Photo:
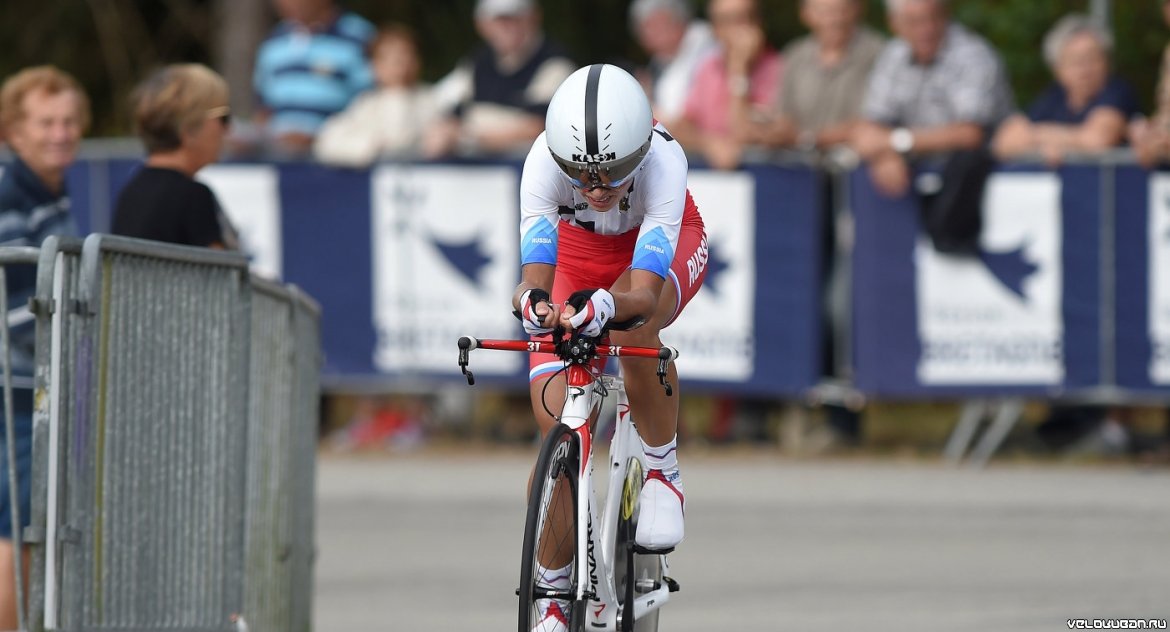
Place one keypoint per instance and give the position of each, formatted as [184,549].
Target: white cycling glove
[528,302]
[594,309]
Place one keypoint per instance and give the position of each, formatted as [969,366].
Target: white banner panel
[250,197]
[715,334]
[996,319]
[1159,278]
[446,260]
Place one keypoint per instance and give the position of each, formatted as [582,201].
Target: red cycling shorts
[588,260]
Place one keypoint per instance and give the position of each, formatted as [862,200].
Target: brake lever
[662,366]
[465,359]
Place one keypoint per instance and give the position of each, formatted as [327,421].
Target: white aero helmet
[599,126]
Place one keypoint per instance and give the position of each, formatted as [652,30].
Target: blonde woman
[182,115]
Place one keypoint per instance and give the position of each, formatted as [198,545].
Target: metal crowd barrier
[282,426]
[57,306]
[173,448]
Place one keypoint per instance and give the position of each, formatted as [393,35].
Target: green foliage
[142,34]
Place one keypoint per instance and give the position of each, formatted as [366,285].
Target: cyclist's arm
[642,297]
[666,194]
[541,189]
[538,276]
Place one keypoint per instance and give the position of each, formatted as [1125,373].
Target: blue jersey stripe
[539,244]
[654,253]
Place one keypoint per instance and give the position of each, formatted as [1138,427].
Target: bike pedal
[641,550]
[671,584]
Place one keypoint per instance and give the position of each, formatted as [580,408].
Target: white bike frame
[596,583]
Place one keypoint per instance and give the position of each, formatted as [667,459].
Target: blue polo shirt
[29,213]
[303,77]
[1052,105]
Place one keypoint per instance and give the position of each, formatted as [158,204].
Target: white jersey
[654,205]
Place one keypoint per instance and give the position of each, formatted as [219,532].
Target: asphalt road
[431,541]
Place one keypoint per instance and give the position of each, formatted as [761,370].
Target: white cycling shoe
[660,513]
[555,617]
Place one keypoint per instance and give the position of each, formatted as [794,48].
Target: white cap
[496,8]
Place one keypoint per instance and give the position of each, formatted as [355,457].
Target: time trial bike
[612,582]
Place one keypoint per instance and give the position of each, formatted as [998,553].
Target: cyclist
[607,229]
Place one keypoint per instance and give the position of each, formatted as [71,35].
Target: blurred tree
[239,25]
[110,44]
[107,44]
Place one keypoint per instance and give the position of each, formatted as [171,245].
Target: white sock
[663,457]
[553,577]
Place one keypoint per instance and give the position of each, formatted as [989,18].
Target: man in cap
[496,98]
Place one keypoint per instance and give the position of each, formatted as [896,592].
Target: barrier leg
[969,418]
[1006,417]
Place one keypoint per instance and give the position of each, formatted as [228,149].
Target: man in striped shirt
[311,66]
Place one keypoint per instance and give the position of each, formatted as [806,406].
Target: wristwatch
[902,140]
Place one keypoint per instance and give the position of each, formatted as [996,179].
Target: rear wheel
[637,574]
[548,572]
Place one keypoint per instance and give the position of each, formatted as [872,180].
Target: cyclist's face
[603,198]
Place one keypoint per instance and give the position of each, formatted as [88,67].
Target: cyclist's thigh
[689,268]
[687,272]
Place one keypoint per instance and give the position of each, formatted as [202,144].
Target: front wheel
[548,571]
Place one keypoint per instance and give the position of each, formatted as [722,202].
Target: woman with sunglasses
[182,115]
[609,232]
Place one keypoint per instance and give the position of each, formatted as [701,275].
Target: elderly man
[44,112]
[936,88]
[826,76]
[495,101]
[676,44]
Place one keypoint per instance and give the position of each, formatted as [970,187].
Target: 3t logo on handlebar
[533,346]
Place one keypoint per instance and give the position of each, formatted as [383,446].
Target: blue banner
[1022,316]
[1142,274]
[405,258]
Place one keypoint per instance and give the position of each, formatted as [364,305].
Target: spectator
[676,45]
[181,113]
[1151,138]
[385,122]
[1085,110]
[734,89]
[43,112]
[495,100]
[825,76]
[820,103]
[311,66]
[936,88]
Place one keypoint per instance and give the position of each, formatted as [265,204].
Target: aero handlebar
[575,350]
